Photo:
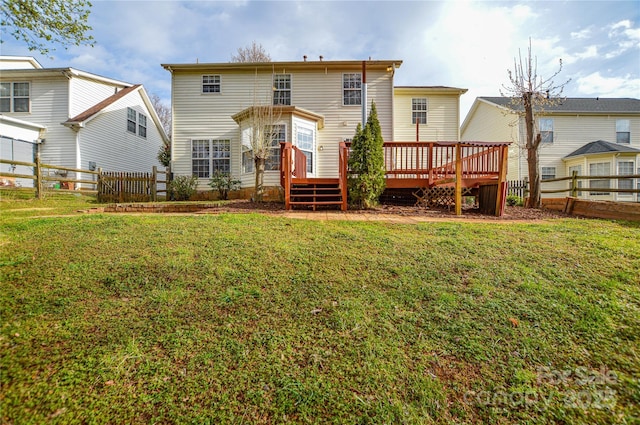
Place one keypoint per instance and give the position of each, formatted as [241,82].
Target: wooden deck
[408,165]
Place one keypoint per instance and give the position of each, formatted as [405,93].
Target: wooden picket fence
[108,186]
[115,186]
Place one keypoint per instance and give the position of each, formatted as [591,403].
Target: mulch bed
[511,213]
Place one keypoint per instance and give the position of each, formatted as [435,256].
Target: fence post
[99,186]
[168,180]
[154,184]
[37,170]
[526,188]
[574,183]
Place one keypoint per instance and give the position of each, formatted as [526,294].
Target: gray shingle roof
[601,146]
[582,104]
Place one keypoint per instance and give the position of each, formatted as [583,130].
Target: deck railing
[419,165]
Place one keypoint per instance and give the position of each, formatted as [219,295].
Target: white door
[305,140]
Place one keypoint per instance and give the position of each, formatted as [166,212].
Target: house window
[131,120]
[14,97]
[210,84]
[546,130]
[352,89]
[272,161]
[142,125]
[625,168]
[304,140]
[548,173]
[282,89]
[419,111]
[278,134]
[209,156]
[578,171]
[623,133]
[599,169]
[247,159]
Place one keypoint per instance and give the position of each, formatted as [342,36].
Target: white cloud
[582,34]
[597,85]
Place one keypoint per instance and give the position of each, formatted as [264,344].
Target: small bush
[183,187]
[223,183]
[514,201]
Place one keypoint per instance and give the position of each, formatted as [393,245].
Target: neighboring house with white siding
[592,136]
[319,106]
[83,120]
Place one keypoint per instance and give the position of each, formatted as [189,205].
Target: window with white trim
[209,156]
[548,173]
[623,132]
[136,123]
[278,134]
[352,89]
[625,168]
[546,130]
[131,120]
[14,97]
[599,169]
[419,110]
[282,89]
[142,125]
[210,84]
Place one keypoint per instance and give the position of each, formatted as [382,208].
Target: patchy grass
[253,319]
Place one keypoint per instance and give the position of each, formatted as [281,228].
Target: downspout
[364,93]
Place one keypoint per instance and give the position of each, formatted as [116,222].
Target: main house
[319,104]
[589,136]
[78,119]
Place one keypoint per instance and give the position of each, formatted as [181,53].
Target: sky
[466,44]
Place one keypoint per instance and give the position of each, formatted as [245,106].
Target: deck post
[458,179]
[502,183]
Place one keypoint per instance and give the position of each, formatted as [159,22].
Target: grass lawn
[245,318]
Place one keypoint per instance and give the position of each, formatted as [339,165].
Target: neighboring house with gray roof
[80,120]
[592,136]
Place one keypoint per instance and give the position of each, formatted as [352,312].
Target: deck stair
[315,192]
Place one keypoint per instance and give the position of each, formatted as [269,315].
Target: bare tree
[164,114]
[253,53]
[264,138]
[530,94]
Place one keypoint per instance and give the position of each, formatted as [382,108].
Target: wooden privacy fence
[108,186]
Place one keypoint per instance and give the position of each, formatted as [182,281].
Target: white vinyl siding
[105,140]
[316,91]
[85,93]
